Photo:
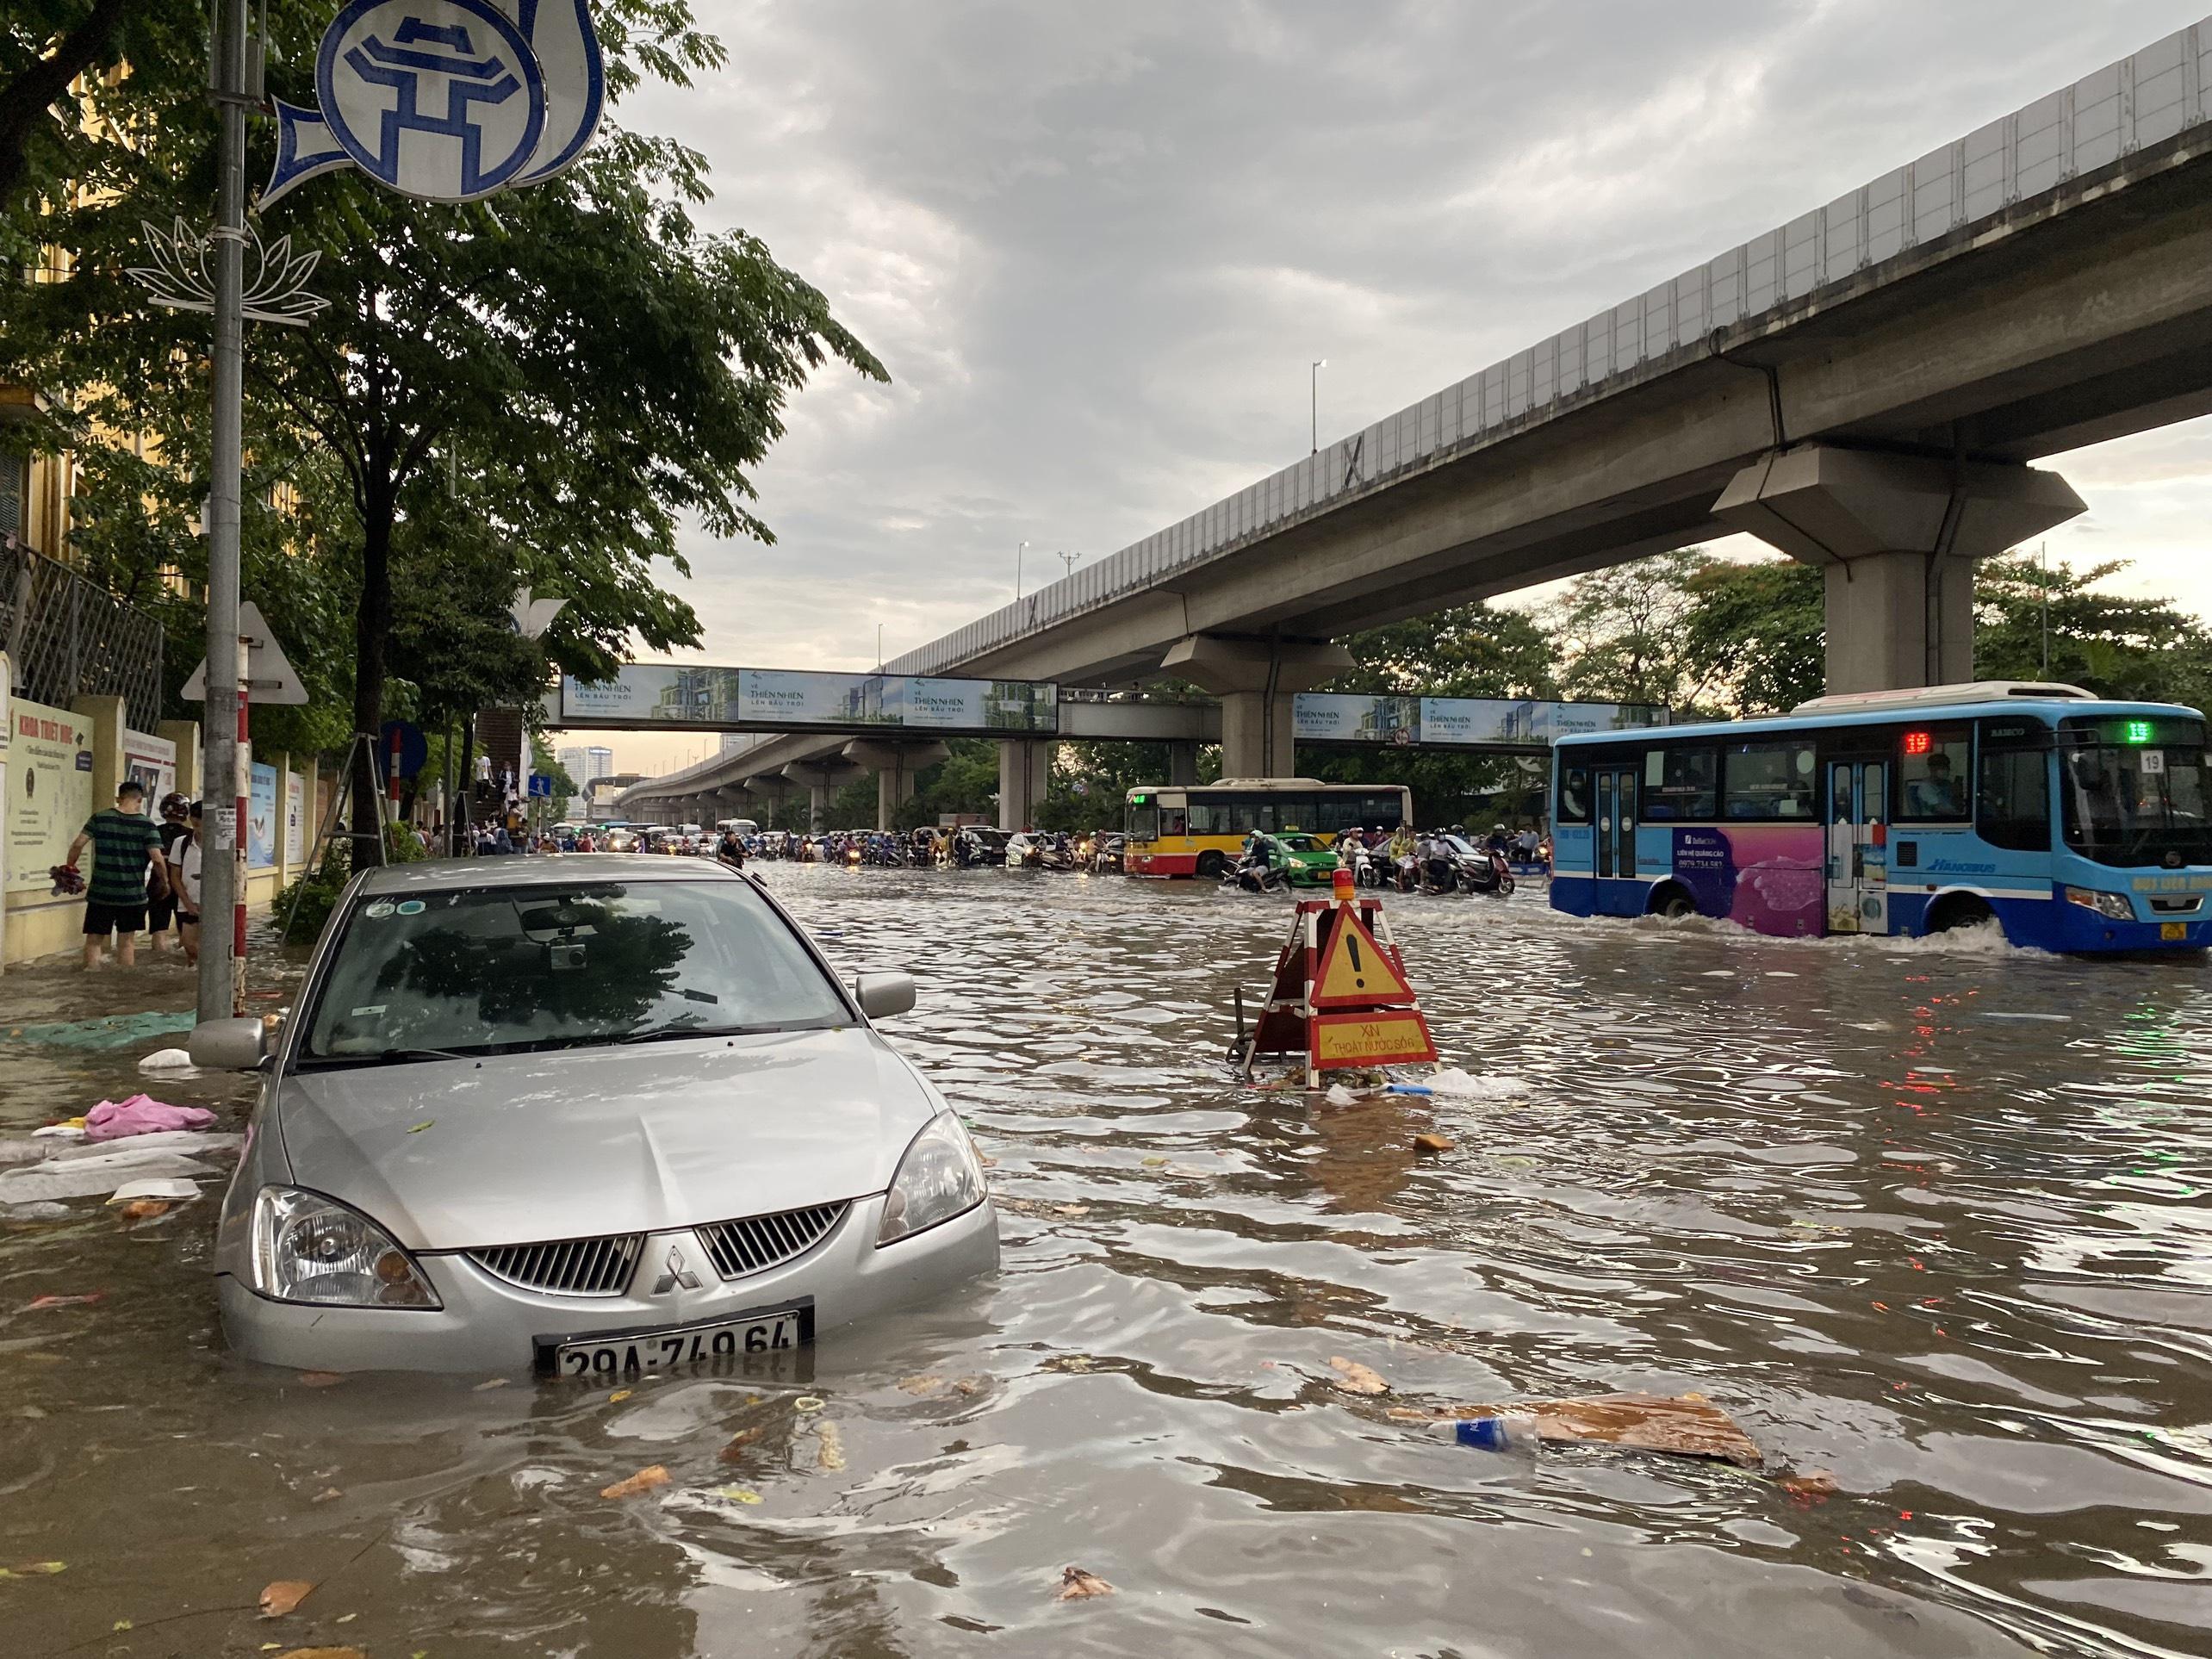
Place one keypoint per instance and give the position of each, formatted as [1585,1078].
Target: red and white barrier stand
[1340,998]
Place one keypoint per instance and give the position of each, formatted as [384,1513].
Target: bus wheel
[1957,910]
[1673,904]
[1210,865]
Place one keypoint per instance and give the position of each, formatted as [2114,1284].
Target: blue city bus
[2075,822]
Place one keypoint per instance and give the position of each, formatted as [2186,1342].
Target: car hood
[581,1142]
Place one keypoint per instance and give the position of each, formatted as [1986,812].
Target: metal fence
[68,638]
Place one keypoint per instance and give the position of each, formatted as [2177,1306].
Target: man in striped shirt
[123,841]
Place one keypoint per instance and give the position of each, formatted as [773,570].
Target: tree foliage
[537,390]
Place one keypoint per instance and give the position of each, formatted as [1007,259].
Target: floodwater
[1933,1221]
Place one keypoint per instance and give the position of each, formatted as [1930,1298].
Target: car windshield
[2134,791]
[502,969]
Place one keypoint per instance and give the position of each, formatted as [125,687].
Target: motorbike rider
[730,851]
[1436,863]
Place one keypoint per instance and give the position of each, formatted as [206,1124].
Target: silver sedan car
[592,1116]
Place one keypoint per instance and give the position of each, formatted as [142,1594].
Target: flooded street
[1933,1221]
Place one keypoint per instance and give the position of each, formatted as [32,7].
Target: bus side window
[1575,794]
[2012,801]
[1932,776]
[1172,822]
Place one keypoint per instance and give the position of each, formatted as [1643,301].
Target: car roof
[537,869]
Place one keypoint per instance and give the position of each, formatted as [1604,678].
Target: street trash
[1513,1432]
[321,1379]
[144,1210]
[1431,1143]
[1809,1486]
[109,1031]
[1340,1095]
[67,881]
[37,1211]
[1075,1584]
[1687,1425]
[115,1120]
[321,1653]
[68,1129]
[643,1481]
[735,1451]
[91,1172]
[155,1143]
[34,1570]
[831,1452]
[737,1494]
[286,1593]
[167,1059]
[37,1303]
[1451,1081]
[1356,1378]
[168,1189]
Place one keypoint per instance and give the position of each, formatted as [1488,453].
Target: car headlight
[310,1248]
[938,1178]
[2115,905]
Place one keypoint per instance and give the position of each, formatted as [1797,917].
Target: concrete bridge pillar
[1897,536]
[1025,768]
[896,767]
[1182,763]
[1256,679]
[820,776]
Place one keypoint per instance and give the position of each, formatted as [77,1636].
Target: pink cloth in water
[111,1120]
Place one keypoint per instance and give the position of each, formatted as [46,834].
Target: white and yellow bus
[1198,830]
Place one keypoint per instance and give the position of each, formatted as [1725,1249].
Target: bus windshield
[2134,791]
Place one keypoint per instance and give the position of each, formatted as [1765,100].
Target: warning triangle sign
[1356,971]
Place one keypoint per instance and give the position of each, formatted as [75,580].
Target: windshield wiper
[382,1057]
[673,1029]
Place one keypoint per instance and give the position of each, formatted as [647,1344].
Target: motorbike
[1255,873]
[1023,853]
[1057,856]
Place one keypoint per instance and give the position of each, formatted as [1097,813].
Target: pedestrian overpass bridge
[1863,388]
[858,727]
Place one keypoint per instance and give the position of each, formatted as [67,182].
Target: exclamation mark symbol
[1358,970]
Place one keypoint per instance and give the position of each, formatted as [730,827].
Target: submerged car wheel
[1956,910]
[1674,904]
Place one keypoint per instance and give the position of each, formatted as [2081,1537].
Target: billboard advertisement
[1462,722]
[153,762]
[789,699]
[295,819]
[49,789]
[261,818]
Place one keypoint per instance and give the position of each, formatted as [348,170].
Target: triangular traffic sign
[270,678]
[1356,971]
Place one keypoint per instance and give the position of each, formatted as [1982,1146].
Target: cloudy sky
[1098,246]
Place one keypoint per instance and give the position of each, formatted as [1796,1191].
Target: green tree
[1757,632]
[2113,644]
[579,366]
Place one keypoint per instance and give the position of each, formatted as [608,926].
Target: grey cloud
[1097,245]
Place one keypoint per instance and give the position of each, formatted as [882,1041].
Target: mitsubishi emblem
[677,1274]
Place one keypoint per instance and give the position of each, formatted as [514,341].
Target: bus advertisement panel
[2069,823]
[1199,829]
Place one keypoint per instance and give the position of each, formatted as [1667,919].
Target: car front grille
[760,1242]
[570,1267]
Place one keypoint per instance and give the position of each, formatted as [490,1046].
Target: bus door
[1616,821]
[1858,847]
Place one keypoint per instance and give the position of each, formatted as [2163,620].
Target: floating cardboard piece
[1358,973]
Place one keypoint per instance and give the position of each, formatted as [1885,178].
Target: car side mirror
[884,995]
[226,1045]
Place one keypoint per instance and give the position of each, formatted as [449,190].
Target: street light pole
[223,871]
[1313,391]
[1068,561]
[1019,547]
